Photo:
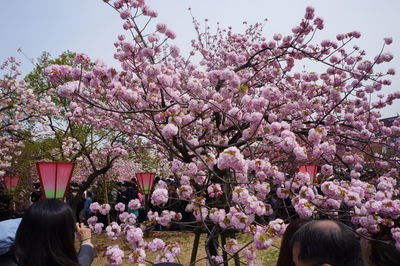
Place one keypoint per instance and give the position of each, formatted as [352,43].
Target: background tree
[18,106]
[91,147]
[19,115]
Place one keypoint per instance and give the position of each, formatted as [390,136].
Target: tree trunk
[195,248]
[224,253]
[85,185]
[106,196]
[212,244]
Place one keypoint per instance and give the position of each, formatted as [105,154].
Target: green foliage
[36,80]
[146,159]
[33,151]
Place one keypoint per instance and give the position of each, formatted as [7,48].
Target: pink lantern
[11,183]
[310,169]
[145,181]
[54,178]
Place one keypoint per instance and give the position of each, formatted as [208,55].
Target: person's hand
[83,233]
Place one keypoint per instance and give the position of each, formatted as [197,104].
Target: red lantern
[11,183]
[145,181]
[54,178]
[310,169]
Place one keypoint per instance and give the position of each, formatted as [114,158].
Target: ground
[265,258]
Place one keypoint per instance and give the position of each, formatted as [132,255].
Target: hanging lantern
[11,183]
[54,178]
[310,169]
[145,181]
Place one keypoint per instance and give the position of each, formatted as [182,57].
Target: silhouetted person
[36,193]
[4,205]
[382,250]
[86,206]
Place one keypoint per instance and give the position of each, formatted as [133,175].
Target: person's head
[126,184]
[89,194]
[383,251]
[325,243]
[285,251]
[46,235]
[36,185]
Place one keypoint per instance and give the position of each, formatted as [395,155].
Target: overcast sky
[91,27]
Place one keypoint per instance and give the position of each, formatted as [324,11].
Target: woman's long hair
[46,235]
[285,253]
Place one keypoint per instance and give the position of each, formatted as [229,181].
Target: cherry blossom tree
[94,149]
[19,108]
[238,123]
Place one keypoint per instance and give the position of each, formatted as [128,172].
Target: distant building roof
[388,122]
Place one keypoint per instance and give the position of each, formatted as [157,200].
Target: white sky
[91,27]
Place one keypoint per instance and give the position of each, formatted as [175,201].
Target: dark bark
[85,185]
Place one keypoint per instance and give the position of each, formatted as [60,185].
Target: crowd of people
[117,192]
[46,233]
[126,191]
[46,236]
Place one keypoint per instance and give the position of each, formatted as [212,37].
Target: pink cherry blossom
[159,196]
[231,246]
[185,192]
[170,34]
[388,40]
[261,241]
[135,236]
[169,131]
[92,220]
[249,253]
[134,204]
[214,190]
[138,256]
[217,215]
[125,14]
[104,209]
[156,245]
[327,170]
[114,255]
[161,27]
[113,230]
[94,207]
[120,207]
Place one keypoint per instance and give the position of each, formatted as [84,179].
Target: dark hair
[89,194]
[328,241]
[285,251]
[46,235]
[383,254]
[383,250]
